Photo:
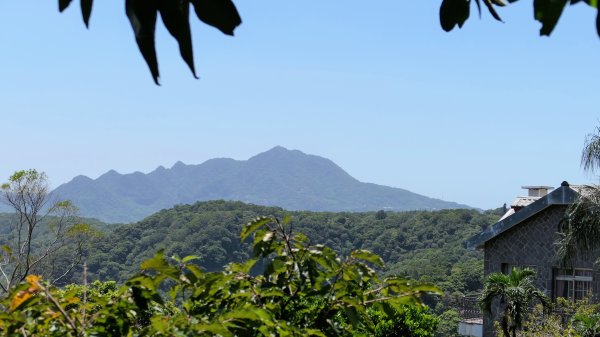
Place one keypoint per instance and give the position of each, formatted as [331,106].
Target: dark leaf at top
[86,11]
[142,16]
[454,12]
[220,14]
[63,4]
[478,3]
[492,10]
[548,12]
[175,15]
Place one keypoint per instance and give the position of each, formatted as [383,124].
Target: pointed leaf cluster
[455,12]
[143,14]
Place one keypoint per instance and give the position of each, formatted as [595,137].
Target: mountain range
[279,177]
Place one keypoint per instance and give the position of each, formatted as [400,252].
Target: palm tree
[580,228]
[516,293]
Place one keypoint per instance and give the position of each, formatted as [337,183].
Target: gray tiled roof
[524,201]
[564,195]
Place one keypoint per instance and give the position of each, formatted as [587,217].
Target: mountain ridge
[278,177]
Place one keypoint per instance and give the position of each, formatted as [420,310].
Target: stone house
[525,236]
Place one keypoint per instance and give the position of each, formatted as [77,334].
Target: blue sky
[377,87]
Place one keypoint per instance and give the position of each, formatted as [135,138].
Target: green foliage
[380,215]
[567,319]
[421,245]
[305,290]
[405,321]
[455,12]
[580,229]
[39,237]
[448,326]
[516,292]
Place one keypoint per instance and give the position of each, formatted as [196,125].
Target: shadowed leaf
[478,3]
[220,14]
[142,16]
[453,12]
[86,11]
[598,23]
[492,10]
[548,12]
[63,4]
[175,15]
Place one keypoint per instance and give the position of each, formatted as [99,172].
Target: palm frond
[580,229]
[590,158]
[519,291]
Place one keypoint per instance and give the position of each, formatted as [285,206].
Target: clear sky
[375,86]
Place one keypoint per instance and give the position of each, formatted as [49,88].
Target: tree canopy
[305,290]
[223,15]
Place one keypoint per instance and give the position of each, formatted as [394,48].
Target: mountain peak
[82,179]
[179,164]
[278,152]
[109,174]
[280,177]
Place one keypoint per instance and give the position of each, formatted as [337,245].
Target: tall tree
[515,293]
[580,229]
[39,230]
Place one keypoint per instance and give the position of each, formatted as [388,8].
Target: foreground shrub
[305,290]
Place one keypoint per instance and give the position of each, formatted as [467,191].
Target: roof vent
[537,191]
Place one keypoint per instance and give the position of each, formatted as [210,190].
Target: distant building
[525,236]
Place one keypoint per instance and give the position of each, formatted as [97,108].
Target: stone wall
[530,244]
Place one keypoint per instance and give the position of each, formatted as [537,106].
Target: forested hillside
[278,177]
[424,245]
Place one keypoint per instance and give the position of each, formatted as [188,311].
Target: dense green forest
[426,246]
[305,290]
[423,245]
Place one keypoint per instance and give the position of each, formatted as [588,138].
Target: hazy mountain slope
[278,177]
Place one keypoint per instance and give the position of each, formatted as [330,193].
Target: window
[574,284]
[505,268]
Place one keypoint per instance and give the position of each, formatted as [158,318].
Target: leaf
[492,11]
[86,11]
[159,264]
[220,14]
[175,15]
[478,3]
[453,12]
[548,12]
[142,16]
[7,249]
[190,258]
[63,4]
[598,23]
[592,3]
[352,315]
[252,226]
[19,299]
[368,256]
